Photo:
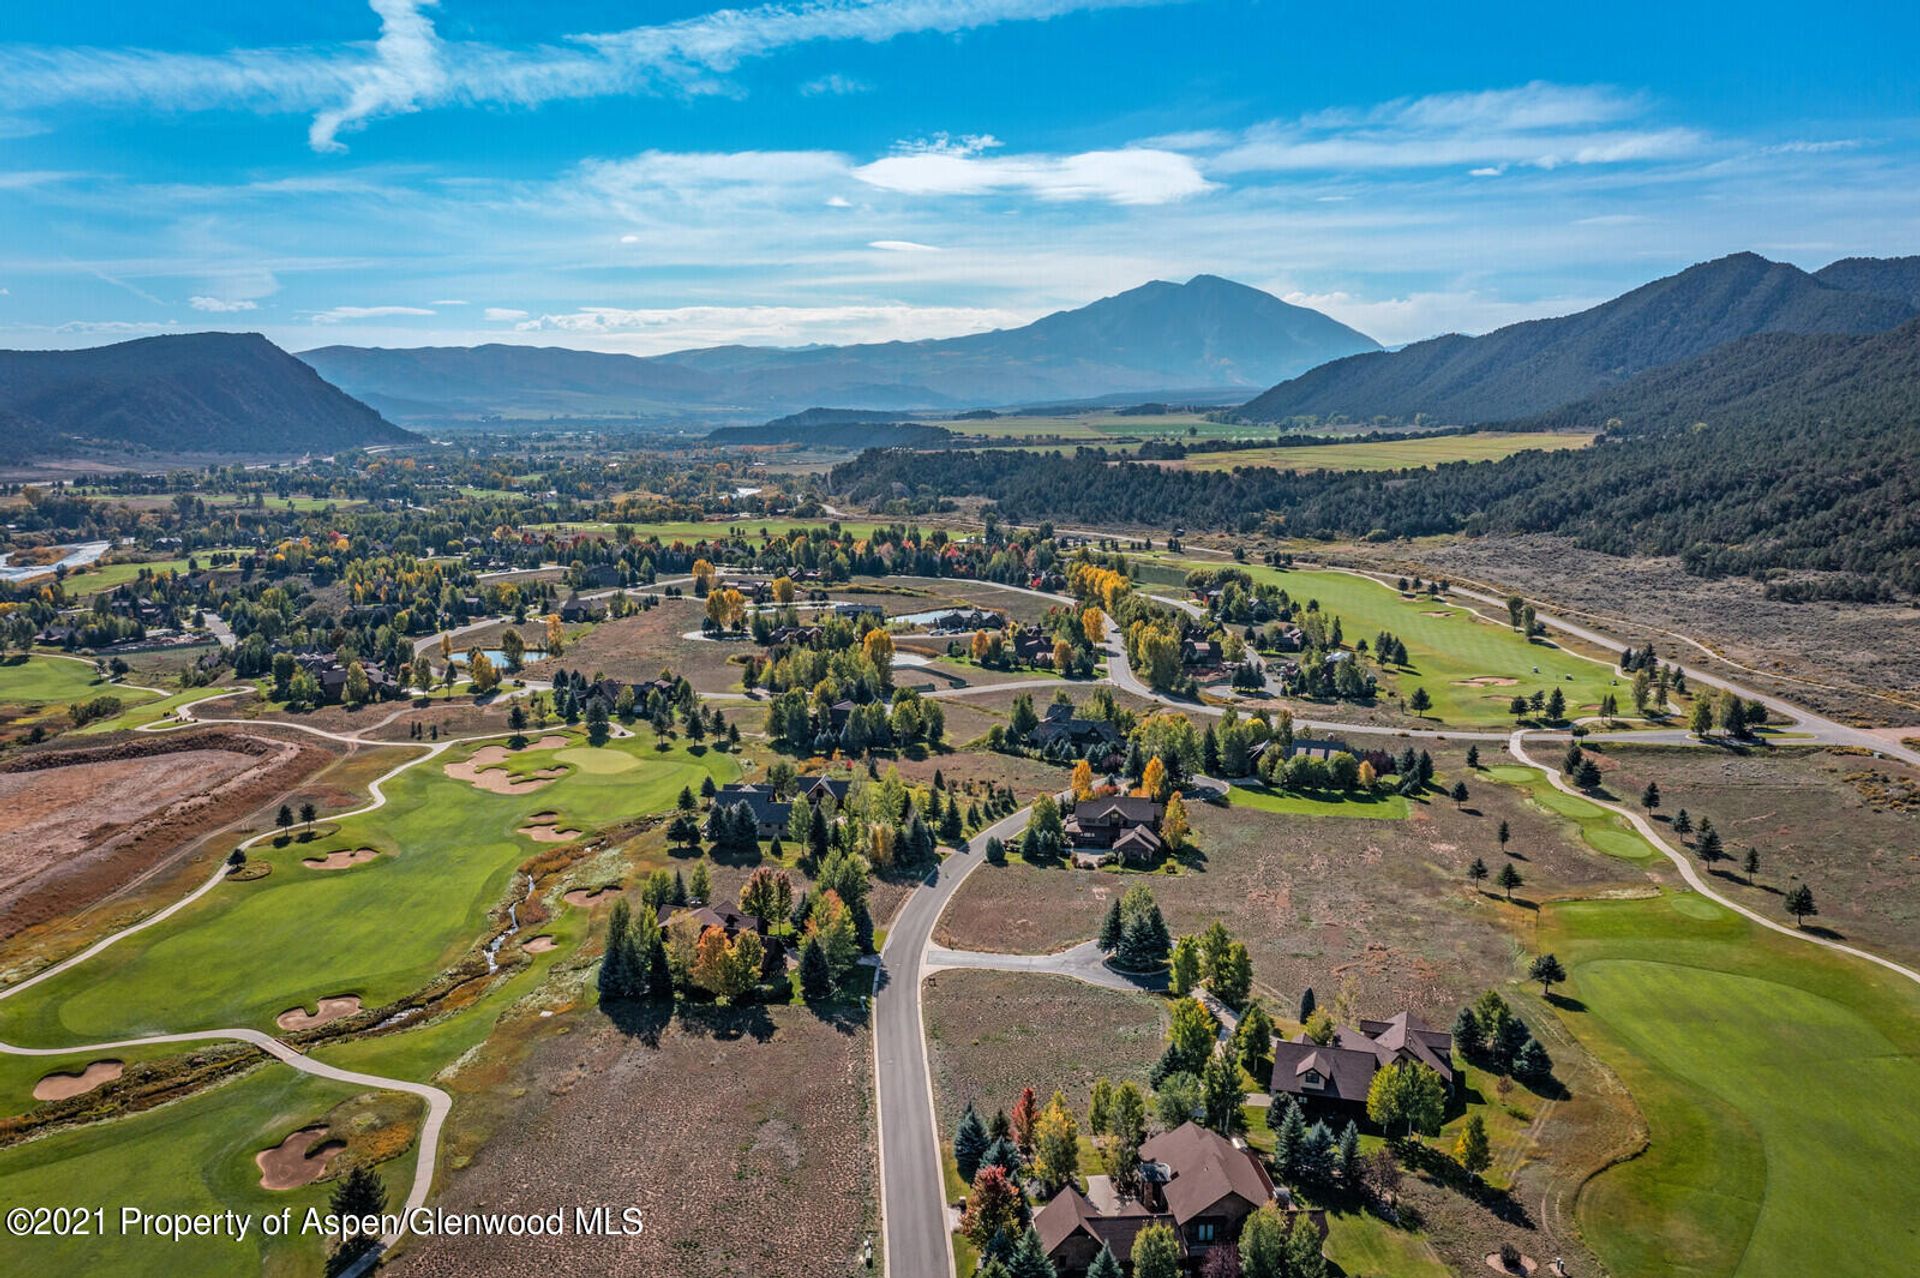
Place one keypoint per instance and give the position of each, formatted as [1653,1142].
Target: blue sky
[646,177]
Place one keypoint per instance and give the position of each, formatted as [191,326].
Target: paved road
[1084,962]
[912,1187]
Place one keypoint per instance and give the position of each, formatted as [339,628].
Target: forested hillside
[1532,367]
[1778,454]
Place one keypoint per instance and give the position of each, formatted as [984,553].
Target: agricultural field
[1408,454]
[1769,1074]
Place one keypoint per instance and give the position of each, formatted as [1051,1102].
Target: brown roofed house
[1116,827]
[1342,1071]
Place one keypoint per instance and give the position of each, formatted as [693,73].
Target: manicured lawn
[248,951]
[195,1155]
[102,577]
[42,679]
[1391,454]
[1448,648]
[1368,1246]
[1776,1080]
[144,708]
[1386,807]
[1600,829]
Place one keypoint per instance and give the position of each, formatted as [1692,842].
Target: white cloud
[448,301]
[1537,125]
[902,246]
[114,326]
[839,202]
[1394,320]
[342,314]
[411,67]
[835,85]
[221,305]
[629,239]
[679,328]
[499,314]
[1128,176]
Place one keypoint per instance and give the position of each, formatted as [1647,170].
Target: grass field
[40,680]
[143,708]
[1408,454]
[1378,806]
[248,951]
[107,576]
[195,1155]
[1774,1078]
[1448,646]
[1600,829]
[1095,427]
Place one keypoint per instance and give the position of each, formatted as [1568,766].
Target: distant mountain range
[1532,367]
[1208,332]
[196,393]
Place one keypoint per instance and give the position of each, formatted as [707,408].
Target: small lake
[498,657]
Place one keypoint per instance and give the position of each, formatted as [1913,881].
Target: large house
[1116,827]
[1192,1179]
[1340,1072]
[770,812]
[1062,726]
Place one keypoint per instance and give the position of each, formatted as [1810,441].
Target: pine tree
[1800,904]
[1466,1034]
[1682,823]
[1707,845]
[1477,872]
[1110,927]
[1104,1265]
[617,977]
[1028,1259]
[970,1141]
[816,974]
[1289,1141]
[1346,1156]
[1509,879]
[1650,797]
[1306,1004]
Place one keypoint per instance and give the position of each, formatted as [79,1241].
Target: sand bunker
[484,771]
[331,1009]
[298,1160]
[538,944]
[586,899]
[60,1086]
[1436,614]
[544,827]
[340,860]
[1486,681]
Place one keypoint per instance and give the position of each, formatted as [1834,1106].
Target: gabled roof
[1070,1212]
[1127,808]
[1348,1063]
[1204,1167]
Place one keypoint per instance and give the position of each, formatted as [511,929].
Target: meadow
[1773,1077]
[1389,454]
[379,930]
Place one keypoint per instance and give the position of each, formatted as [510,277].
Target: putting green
[1773,1077]
[247,951]
[194,1155]
[599,761]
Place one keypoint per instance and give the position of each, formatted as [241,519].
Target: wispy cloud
[411,67]
[1135,175]
[834,85]
[676,328]
[1538,125]
[345,314]
[902,246]
[504,314]
[222,305]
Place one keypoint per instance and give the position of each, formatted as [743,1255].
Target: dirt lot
[992,1033]
[745,1138]
[83,824]
[1847,826]
[1829,656]
[638,647]
[1320,901]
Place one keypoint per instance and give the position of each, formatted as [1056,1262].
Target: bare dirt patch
[340,860]
[62,1086]
[298,1160]
[78,825]
[1486,681]
[329,1011]
[769,1173]
[635,648]
[486,769]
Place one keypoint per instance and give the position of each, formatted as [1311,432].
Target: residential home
[1340,1073]
[1116,827]
[1062,725]
[575,610]
[1191,1179]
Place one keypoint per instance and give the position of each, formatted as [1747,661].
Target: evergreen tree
[1466,1034]
[1028,1259]
[1104,1265]
[1110,926]
[1682,823]
[1306,1004]
[1800,904]
[1546,969]
[970,1141]
[1472,1150]
[1509,879]
[1289,1141]
[617,977]
[1346,1155]
[1532,1061]
[1650,797]
[1477,872]
[816,974]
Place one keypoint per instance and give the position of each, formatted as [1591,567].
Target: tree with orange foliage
[1062,656]
[1082,781]
[1153,780]
[1093,624]
[1026,1111]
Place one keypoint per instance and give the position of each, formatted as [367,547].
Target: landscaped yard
[1773,1076]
